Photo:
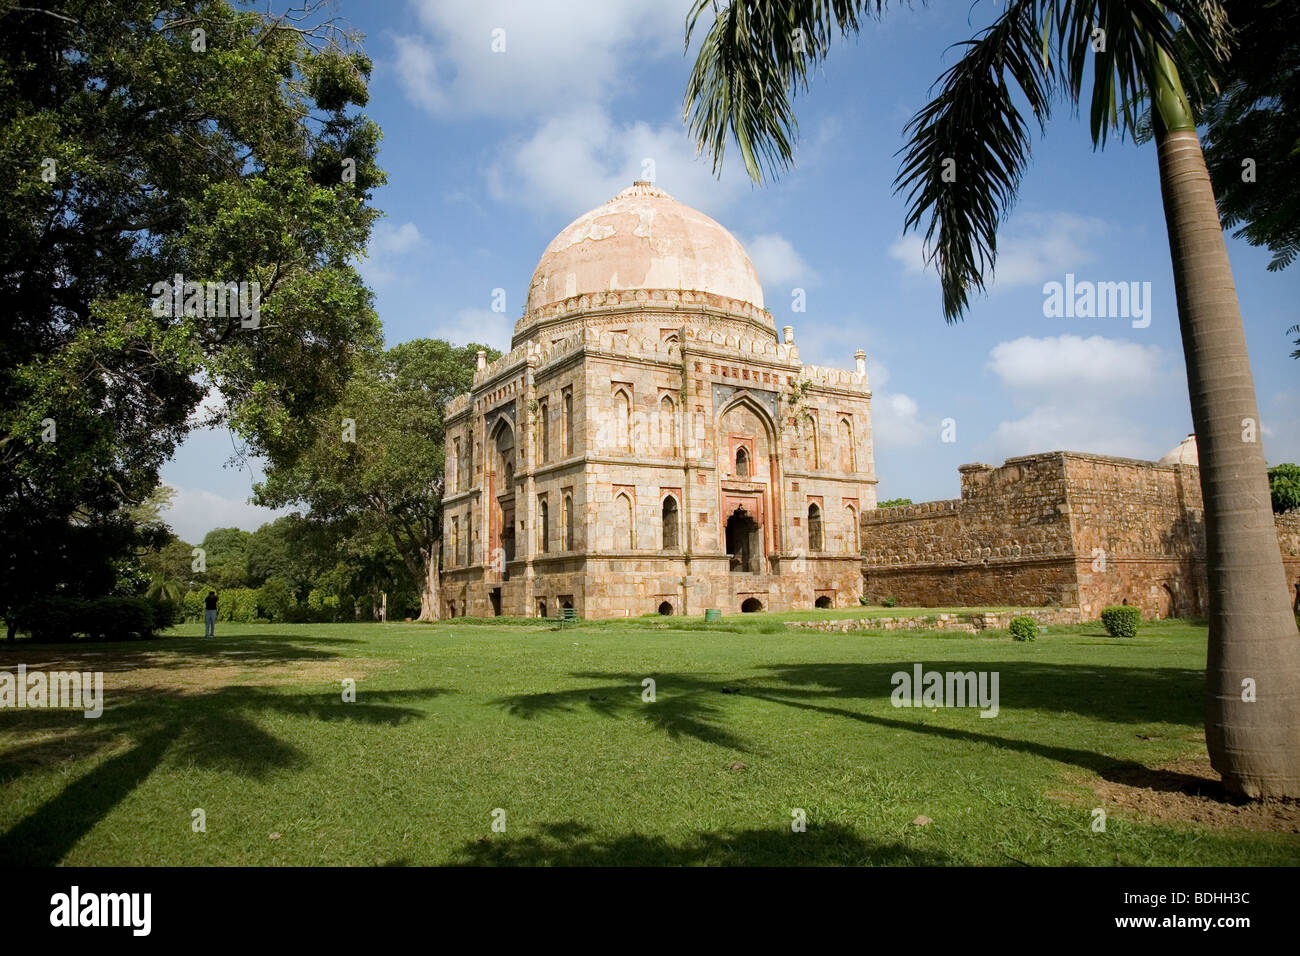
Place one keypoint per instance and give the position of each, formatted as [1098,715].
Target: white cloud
[1068,362]
[555,52]
[580,158]
[1057,427]
[391,240]
[896,420]
[417,73]
[1043,246]
[388,244]
[909,251]
[477,325]
[1089,394]
[194,512]
[1037,247]
[777,261]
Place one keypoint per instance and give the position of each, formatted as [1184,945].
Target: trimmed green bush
[97,619]
[237,604]
[165,613]
[1121,620]
[1024,628]
[889,601]
[192,605]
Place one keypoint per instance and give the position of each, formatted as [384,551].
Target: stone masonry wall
[1062,528]
[1006,541]
[1139,535]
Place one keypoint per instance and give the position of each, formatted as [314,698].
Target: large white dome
[1185,454]
[643,239]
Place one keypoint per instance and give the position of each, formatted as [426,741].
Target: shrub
[192,605]
[863,600]
[1024,628]
[165,613]
[98,619]
[275,600]
[889,601]
[1122,620]
[237,604]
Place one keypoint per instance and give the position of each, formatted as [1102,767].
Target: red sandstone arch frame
[764,502]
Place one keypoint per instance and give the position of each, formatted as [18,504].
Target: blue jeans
[209,623]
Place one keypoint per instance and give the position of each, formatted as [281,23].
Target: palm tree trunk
[1253,738]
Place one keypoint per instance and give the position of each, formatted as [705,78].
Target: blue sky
[490,154]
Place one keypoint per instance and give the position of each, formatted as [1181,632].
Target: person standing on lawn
[210,614]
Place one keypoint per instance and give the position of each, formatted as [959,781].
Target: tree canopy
[195,140]
[1284,485]
[374,461]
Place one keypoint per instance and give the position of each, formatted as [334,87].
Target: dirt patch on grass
[169,671]
[205,675]
[1186,791]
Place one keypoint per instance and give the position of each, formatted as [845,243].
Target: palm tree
[966,152]
[161,587]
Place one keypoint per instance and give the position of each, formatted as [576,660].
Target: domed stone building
[650,443]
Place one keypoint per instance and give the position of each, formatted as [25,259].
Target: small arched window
[848,450]
[566,520]
[742,462]
[670,523]
[816,540]
[668,426]
[544,433]
[624,524]
[543,526]
[622,421]
[567,424]
[852,514]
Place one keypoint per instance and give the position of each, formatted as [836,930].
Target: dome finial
[642,189]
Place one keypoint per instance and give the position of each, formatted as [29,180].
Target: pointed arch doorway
[744,537]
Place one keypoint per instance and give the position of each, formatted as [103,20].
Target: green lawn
[455,720]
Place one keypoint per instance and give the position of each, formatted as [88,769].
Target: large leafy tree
[375,459]
[966,152]
[1284,486]
[1252,128]
[225,557]
[143,141]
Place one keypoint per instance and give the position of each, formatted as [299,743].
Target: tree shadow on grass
[252,649]
[685,712]
[570,843]
[1117,694]
[690,705]
[217,731]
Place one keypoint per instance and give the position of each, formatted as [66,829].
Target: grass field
[751,721]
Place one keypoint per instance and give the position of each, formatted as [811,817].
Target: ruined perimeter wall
[1006,541]
[1063,528]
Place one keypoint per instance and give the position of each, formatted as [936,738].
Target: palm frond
[973,129]
[968,149]
[753,59]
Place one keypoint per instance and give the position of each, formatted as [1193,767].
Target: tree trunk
[1254,744]
[430,603]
